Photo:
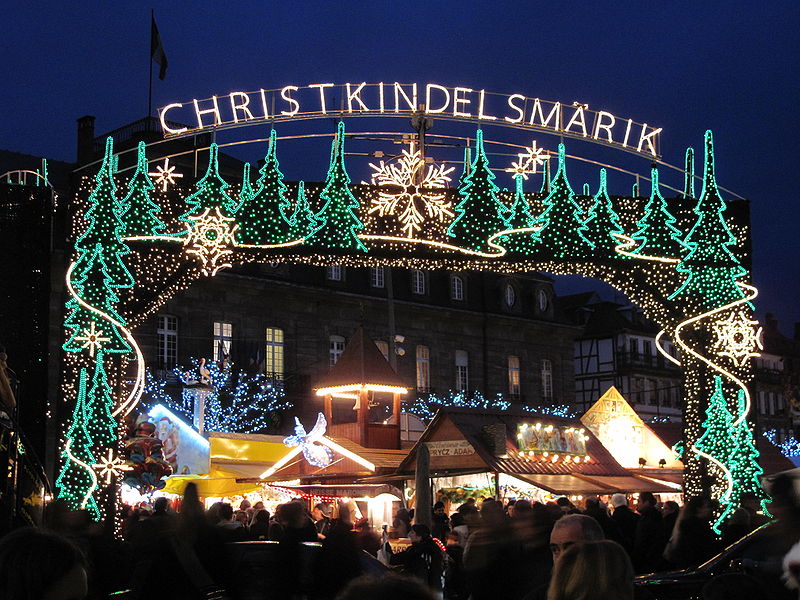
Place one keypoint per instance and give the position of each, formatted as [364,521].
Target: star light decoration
[111,466]
[528,161]
[92,338]
[405,197]
[165,175]
[315,453]
[737,337]
[210,237]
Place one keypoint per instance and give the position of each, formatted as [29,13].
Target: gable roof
[361,363]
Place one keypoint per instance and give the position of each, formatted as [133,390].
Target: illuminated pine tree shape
[602,224]
[519,216]
[263,218]
[562,229]
[140,213]
[711,268]
[410,200]
[716,439]
[93,286]
[246,192]
[743,462]
[657,236]
[104,224]
[480,213]
[77,480]
[102,427]
[303,221]
[210,194]
[339,217]
[462,180]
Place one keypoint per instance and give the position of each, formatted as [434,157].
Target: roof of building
[361,363]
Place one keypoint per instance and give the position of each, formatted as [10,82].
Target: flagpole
[150,90]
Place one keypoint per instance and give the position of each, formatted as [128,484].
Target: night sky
[685,66]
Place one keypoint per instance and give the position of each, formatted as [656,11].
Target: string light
[602,222]
[790,447]
[140,213]
[657,236]
[210,195]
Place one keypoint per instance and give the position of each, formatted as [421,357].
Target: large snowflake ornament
[92,338]
[529,161]
[111,467]
[405,197]
[738,337]
[210,237]
[165,175]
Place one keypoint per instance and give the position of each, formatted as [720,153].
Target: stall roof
[472,424]
[345,490]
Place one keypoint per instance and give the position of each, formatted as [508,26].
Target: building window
[634,345]
[456,288]
[223,336]
[423,368]
[273,359]
[417,281]
[510,295]
[762,403]
[462,371]
[335,272]
[376,277]
[647,348]
[547,379]
[638,390]
[513,375]
[336,348]
[167,336]
[383,347]
[541,297]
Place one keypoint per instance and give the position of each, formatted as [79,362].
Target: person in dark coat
[259,527]
[648,543]
[669,514]
[625,519]
[693,542]
[598,512]
[441,523]
[423,559]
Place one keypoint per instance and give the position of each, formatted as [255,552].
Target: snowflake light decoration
[92,338]
[315,453]
[528,161]
[738,338]
[210,237]
[402,194]
[165,175]
[111,466]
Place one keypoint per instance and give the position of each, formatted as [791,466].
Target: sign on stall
[450,448]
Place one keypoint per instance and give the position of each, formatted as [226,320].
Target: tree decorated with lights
[520,217]
[77,481]
[262,218]
[480,213]
[246,192]
[100,424]
[104,226]
[657,236]
[563,232]
[140,213]
[210,194]
[303,221]
[688,174]
[462,180]
[338,214]
[743,461]
[711,268]
[602,223]
[92,331]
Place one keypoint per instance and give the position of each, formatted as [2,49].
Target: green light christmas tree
[711,268]
[657,236]
[262,217]
[520,217]
[688,174]
[562,233]
[480,214]
[100,424]
[104,225]
[339,210]
[140,213]
[246,192]
[76,480]
[603,222]
[91,331]
[210,194]
[303,221]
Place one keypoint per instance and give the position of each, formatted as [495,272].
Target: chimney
[797,331]
[771,323]
[85,140]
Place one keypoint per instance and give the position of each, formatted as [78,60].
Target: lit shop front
[516,454]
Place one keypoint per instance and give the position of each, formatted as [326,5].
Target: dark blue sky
[685,66]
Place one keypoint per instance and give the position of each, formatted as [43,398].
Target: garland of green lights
[140,213]
[602,223]
[210,194]
[657,236]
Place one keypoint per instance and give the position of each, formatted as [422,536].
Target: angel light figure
[316,454]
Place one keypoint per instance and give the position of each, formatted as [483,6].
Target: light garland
[790,447]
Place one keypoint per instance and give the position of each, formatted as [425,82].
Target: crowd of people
[485,548]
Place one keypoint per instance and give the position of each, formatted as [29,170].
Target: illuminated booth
[519,454]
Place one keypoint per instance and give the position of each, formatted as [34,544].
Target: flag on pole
[157,50]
